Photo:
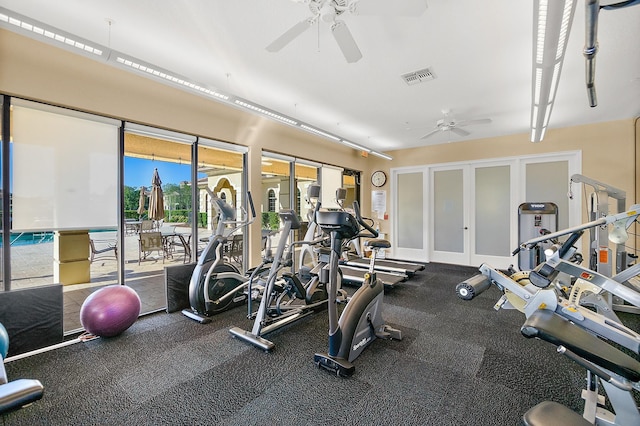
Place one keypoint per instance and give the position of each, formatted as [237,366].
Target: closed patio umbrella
[156,202]
[141,201]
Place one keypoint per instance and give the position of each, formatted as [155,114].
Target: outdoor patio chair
[102,251]
[235,249]
[146,226]
[177,243]
[149,242]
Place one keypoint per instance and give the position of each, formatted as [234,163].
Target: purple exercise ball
[110,311]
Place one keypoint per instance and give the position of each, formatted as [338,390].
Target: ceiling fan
[448,123]
[329,10]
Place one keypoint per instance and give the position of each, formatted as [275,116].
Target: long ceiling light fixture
[22,24]
[166,76]
[356,146]
[382,155]
[42,32]
[551,27]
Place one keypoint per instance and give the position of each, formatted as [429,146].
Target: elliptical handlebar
[372,233]
[253,209]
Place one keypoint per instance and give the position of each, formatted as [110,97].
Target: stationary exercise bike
[217,285]
[287,296]
[361,320]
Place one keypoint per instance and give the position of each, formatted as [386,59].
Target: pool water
[27,238]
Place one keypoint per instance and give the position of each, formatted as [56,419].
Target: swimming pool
[27,238]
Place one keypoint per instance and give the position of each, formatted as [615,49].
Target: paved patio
[32,265]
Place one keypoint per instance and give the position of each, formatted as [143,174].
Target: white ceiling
[480,51]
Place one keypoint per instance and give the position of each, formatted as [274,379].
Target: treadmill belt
[356,276]
[407,268]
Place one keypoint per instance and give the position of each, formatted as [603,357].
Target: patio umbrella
[156,202]
[142,201]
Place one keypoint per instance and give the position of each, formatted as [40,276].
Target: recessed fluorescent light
[265,112]
[319,132]
[381,155]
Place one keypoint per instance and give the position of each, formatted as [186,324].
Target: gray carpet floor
[459,363]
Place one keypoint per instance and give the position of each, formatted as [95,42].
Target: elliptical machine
[216,285]
[286,298]
[361,320]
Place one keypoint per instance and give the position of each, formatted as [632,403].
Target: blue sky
[138,172]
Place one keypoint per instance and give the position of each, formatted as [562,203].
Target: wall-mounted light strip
[355,146]
[265,112]
[381,155]
[136,65]
[39,29]
[552,24]
[319,132]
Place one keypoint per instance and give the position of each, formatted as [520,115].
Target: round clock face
[378,178]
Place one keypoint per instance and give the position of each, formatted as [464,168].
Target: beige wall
[38,71]
[609,154]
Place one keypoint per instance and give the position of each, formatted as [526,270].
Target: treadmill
[355,276]
[387,265]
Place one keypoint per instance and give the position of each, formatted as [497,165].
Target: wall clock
[378,178]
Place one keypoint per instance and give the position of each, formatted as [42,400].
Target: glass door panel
[276,195]
[492,214]
[450,236]
[157,212]
[221,170]
[411,221]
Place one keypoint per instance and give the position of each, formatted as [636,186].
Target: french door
[471,218]
[467,213]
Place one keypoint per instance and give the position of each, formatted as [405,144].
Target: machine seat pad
[549,413]
[549,326]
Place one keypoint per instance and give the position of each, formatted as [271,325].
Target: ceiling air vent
[418,76]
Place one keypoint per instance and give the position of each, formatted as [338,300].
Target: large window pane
[157,223]
[276,194]
[220,170]
[64,169]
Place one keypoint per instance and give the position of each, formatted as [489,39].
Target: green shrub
[270,220]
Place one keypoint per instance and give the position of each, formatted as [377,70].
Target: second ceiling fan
[448,123]
[329,10]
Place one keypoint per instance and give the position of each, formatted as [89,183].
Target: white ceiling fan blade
[459,132]
[290,35]
[386,8]
[471,122]
[431,133]
[346,42]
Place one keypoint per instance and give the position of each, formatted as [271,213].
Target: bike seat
[377,243]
